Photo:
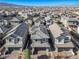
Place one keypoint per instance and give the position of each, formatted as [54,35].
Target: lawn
[26,53]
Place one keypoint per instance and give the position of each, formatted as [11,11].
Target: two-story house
[61,38]
[17,39]
[39,37]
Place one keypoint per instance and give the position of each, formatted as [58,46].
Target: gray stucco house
[61,38]
[17,39]
[39,37]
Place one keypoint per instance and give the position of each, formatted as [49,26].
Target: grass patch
[26,53]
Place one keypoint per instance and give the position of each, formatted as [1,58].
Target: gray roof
[72,19]
[8,18]
[37,44]
[1,31]
[14,19]
[21,30]
[5,29]
[39,32]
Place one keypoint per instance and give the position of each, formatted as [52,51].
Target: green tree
[26,53]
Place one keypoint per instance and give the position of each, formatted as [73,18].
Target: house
[39,37]
[61,38]
[1,31]
[48,20]
[1,18]
[73,21]
[4,30]
[17,39]
[15,19]
[66,21]
[23,14]
[5,27]
[72,24]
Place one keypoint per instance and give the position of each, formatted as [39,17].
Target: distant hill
[7,4]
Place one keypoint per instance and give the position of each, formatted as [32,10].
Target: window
[16,40]
[59,40]
[36,40]
[43,40]
[10,40]
[66,39]
[46,40]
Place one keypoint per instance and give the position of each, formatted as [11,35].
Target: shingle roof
[21,30]
[5,29]
[14,19]
[37,44]
[1,31]
[39,35]
[39,32]
[55,30]
[65,45]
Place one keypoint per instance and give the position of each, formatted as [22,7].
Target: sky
[42,2]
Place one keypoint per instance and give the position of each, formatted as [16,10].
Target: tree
[26,53]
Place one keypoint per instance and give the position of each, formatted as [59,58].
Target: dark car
[43,57]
